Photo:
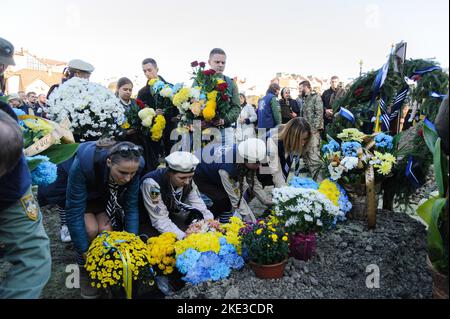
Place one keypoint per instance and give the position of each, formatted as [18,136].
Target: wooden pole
[371,198]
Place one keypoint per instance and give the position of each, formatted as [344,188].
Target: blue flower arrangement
[303,182]
[158,86]
[350,148]
[199,267]
[384,141]
[45,173]
[344,203]
[331,147]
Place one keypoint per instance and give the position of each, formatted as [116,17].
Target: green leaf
[424,211]
[430,137]
[438,167]
[435,242]
[34,162]
[59,153]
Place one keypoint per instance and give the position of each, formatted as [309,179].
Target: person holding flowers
[102,195]
[149,96]
[134,125]
[171,197]
[226,173]
[217,61]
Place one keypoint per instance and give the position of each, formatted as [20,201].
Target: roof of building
[29,76]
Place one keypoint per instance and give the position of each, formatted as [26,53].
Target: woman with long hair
[289,107]
[245,125]
[124,91]
[289,153]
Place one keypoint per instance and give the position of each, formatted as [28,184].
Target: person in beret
[79,68]
[228,176]
[75,68]
[171,197]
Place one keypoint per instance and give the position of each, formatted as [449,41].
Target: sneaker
[65,235]
[86,289]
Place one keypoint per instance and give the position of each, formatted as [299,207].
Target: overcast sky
[260,37]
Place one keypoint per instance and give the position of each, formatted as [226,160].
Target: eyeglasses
[127,151]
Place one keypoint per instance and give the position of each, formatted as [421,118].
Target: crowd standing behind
[121,185]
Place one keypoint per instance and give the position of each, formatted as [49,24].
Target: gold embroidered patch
[154,194]
[30,206]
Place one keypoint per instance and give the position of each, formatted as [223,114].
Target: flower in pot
[266,246]
[304,212]
[435,214]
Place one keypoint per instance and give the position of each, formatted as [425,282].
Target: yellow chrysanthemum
[259,231]
[158,128]
[199,241]
[125,125]
[152,81]
[210,110]
[38,125]
[181,96]
[330,190]
[212,95]
[102,263]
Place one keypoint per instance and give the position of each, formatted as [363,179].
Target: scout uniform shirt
[222,172]
[160,216]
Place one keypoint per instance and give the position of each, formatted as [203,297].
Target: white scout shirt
[232,188]
[159,214]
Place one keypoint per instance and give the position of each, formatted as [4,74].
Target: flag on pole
[426,70]
[381,77]
[377,127]
[347,114]
[398,102]
[385,120]
[399,56]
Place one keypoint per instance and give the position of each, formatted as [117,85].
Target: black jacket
[287,107]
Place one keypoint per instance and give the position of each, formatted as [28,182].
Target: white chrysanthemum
[349,162]
[85,104]
[147,122]
[146,113]
[291,221]
[335,172]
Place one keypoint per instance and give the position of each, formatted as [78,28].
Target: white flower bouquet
[304,210]
[92,109]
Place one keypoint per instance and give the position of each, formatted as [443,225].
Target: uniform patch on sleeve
[155,194]
[30,206]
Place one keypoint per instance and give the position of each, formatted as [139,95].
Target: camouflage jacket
[312,110]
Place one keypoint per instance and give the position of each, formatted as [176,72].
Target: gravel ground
[397,246]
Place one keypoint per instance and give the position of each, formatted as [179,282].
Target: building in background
[32,73]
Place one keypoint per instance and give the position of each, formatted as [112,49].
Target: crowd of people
[142,186]
[120,184]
